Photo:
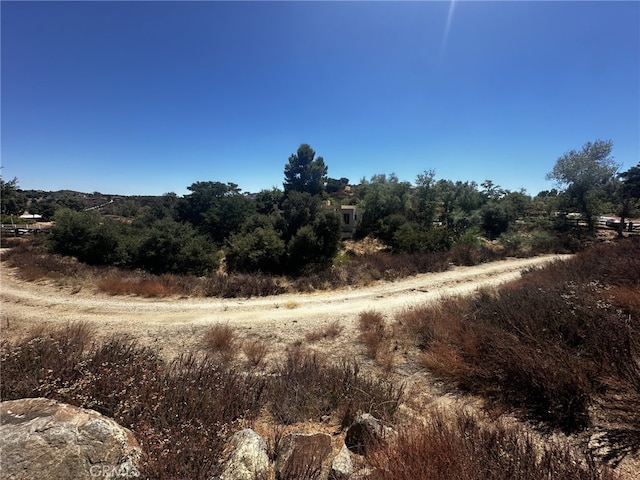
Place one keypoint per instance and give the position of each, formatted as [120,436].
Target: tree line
[297,229]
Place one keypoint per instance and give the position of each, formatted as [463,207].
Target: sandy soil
[175,325]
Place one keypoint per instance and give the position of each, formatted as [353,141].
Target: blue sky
[150,97]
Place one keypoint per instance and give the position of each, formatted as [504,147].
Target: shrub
[412,237]
[463,447]
[373,331]
[35,363]
[259,251]
[306,387]
[551,344]
[255,351]
[192,404]
[167,246]
[241,285]
[329,331]
[222,341]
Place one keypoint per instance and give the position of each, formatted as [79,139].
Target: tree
[12,201]
[335,185]
[268,201]
[171,247]
[91,238]
[299,209]
[628,193]
[314,246]
[258,250]
[380,198]
[217,209]
[584,175]
[304,172]
[458,201]
[426,198]
[495,219]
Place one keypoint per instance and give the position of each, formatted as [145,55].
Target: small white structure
[30,216]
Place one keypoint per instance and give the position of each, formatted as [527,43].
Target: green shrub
[259,250]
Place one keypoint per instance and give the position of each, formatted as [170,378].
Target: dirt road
[174,325]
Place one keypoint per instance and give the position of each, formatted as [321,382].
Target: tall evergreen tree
[304,172]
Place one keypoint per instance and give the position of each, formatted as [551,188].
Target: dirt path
[174,325]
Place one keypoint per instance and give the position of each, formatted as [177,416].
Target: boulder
[302,455]
[341,467]
[42,438]
[248,459]
[365,432]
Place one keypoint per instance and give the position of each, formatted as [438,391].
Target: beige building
[350,220]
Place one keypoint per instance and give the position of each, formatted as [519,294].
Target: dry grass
[460,446]
[222,341]
[307,387]
[256,352]
[373,332]
[182,412]
[561,346]
[328,332]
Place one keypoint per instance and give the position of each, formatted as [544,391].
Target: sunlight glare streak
[447,27]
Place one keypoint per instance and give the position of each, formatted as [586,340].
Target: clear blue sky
[150,97]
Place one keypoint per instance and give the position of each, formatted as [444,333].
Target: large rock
[42,438]
[365,432]
[248,459]
[302,455]
[341,467]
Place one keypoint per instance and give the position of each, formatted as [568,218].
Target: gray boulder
[248,459]
[341,467]
[302,455]
[42,438]
[365,432]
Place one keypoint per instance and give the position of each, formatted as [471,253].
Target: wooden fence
[15,230]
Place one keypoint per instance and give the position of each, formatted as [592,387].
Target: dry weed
[221,340]
[373,332]
[328,332]
[256,351]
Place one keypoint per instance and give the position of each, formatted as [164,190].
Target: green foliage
[584,175]
[90,238]
[388,226]
[631,182]
[627,193]
[268,201]
[495,219]
[426,198]
[216,209]
[380,198]
[46,209]
[314,246]
[12,201]
[299,210]
[164,247]
[303,237]
[171,247]
[458,202]
[259,249]
[304,172]
[336,185]
[413,238]
[298,230]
